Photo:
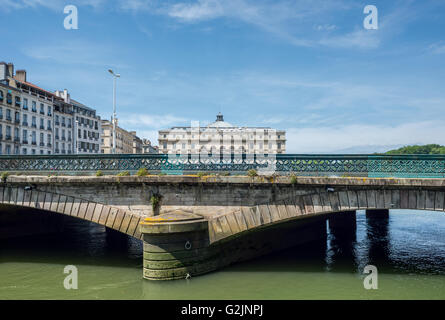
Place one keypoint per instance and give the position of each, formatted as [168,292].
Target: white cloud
[56,5]
[335,138]
[437,48]
[201,10]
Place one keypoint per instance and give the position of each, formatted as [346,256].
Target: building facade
[126,141]
[221,137]
[147,147]
[43,122]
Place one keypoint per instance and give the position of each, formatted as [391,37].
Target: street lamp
[115,76]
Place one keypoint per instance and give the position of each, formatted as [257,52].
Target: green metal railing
[422,166]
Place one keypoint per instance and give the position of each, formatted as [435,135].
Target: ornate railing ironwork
[422,166]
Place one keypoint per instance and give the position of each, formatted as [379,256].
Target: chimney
[3,71]
[10,69]
[20,75]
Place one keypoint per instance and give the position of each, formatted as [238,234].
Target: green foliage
[252,173]
[155,201]
[162,174]
[201,174]
[293,178]
[142,172]
[416,149]
[99,173]
[225,174]
[123,174]
[5,176]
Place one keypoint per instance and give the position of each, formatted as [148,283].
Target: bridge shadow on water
[393,244]
[67,241]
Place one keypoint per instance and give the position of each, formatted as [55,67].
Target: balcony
[57,137]
[17,121]
[49,144]
[69,139]
[16,139]
[8,118]
[34,143]
[25,123]
[49,128]
[49,114]
[63,151]
[56,151]
[42,144]
[63,124]
[8,137]
[42,112]
[63,138]
[57,123]
[25,107]
[34,125]
[25,141]
[68,126]
[42,127]
[34,109]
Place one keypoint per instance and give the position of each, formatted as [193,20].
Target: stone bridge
[208,222]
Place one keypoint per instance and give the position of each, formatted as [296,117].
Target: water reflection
[378,239]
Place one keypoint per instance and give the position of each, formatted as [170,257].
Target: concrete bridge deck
[204,223]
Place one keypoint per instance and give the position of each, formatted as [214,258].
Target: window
[24,150]
[1,95]
[1,113]
[49,125]
[17,102]
[33,123]
[25,120]
[42,108]
[8,133]
[17,117]
[25,136]
[33,141]
[8,114]
[49,110]
[42,140]
[9,98]
[42,123]
[25,104]
[34,107]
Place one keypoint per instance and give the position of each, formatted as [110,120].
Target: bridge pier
[343,224]
[380,213]
[178,246]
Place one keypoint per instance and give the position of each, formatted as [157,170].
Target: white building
[77,126]
[31,112]
[221,137]
[36,121]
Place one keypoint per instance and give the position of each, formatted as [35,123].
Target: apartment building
[30,109]
[77,126]
[221,137]
[126,141]
[36,121]
[147,147]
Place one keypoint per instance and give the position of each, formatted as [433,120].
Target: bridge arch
[323,203]
[120,220]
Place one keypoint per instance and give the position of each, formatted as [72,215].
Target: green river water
[408,250]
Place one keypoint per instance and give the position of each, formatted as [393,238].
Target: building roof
[220,123]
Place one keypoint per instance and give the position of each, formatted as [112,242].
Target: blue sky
[305,66]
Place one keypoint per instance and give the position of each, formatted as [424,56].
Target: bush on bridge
[123,174]
[99,173]
[142,172]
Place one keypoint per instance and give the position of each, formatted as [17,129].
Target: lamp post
[76,129]
[115,76]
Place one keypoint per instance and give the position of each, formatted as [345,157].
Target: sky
[309,67]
